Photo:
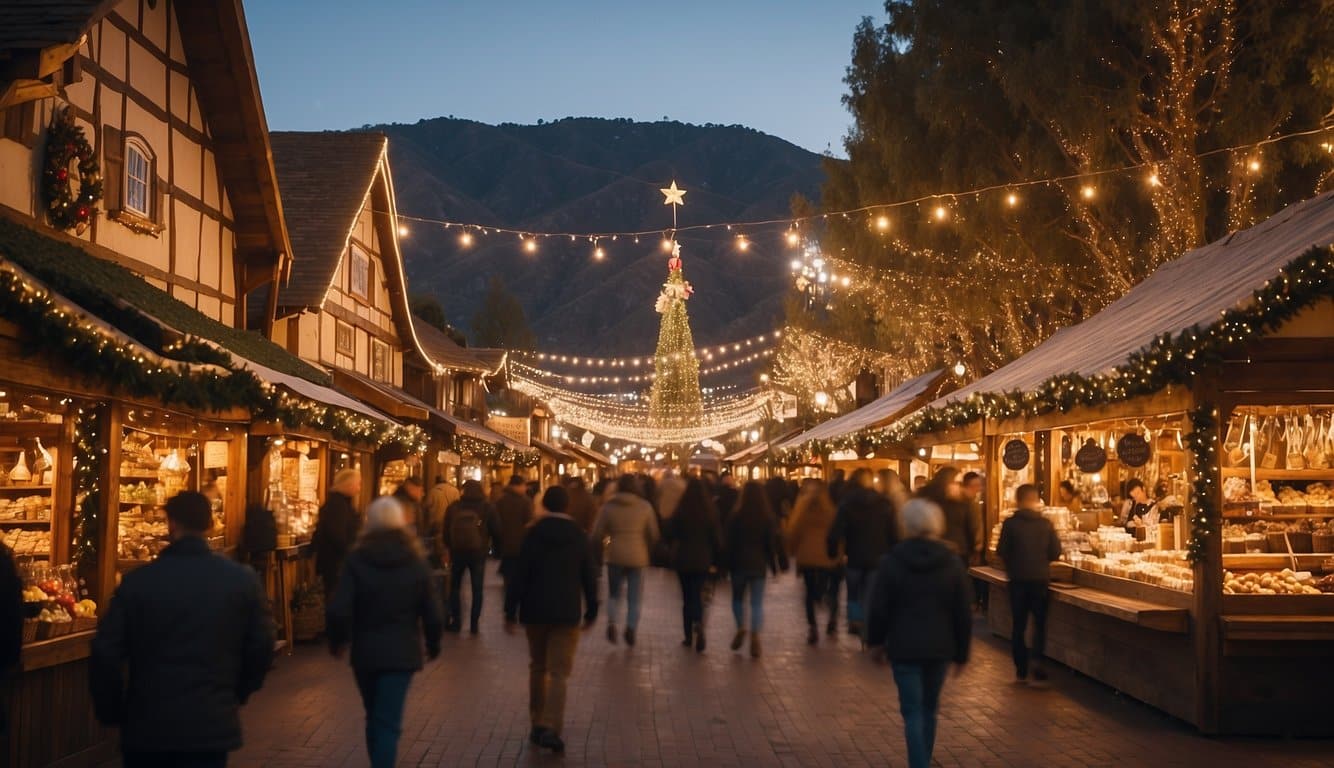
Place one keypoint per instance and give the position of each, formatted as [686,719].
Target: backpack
[465,530]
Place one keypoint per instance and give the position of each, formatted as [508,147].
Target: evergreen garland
[1203,444]
[66,143]
[89,462]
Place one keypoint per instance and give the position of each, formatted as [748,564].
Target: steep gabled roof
[36,24]
[446,352]
[325,179]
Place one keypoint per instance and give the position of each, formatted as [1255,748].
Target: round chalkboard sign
[1015,455]
[1091,457]
[1133,450]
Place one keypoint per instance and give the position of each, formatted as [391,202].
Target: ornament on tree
[674,263]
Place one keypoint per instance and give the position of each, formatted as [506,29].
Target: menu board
[1015,455]
[308,484]
[215,454]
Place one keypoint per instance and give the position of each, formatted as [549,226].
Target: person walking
[554,568]
[670,489]
[194,631]
[411,493]
[336,528]
[1028,544]
[696,538]
[385,607]
[753,548]
[920,613]
[511,512]
[467,538]
[631,526]
[725,496]
[865,529]
[963,520]
[807,542]
[583,509]
[11,627]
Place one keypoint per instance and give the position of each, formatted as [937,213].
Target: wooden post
[108,547]
[1208,596]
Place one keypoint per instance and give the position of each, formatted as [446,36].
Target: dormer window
[138,197]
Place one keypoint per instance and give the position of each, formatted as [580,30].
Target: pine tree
[675,399]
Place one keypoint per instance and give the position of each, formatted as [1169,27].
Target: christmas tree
[675,401]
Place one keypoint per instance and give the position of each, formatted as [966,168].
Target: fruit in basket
[1285,582]
[85,609]
[34,595]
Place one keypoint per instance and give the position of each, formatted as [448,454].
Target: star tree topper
[675,195]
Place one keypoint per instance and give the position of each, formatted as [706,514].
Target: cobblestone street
[658,704]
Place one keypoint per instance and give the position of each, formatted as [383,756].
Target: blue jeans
[859,582]
[384,694]
[740,582]
[919,684]
[634,579]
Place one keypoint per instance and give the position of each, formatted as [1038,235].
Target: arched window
[138,198]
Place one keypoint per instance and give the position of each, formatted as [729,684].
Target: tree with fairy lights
[675,400]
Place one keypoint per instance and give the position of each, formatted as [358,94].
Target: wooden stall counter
[54,670]
[1135,640]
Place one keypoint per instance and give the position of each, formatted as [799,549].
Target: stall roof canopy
[123,298]
[445,351]
[588,453]
[451,424]
[1191,291]
[552,450]
[311,390]
[876,413]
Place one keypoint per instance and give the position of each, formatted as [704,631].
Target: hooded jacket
[808,532]
[1028,544]
[194,630]
[335,531]
[513,513]
[921,603]
[633,527]
[864,527]
[385,604]
[554,570]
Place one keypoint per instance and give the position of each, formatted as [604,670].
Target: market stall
[1207,594]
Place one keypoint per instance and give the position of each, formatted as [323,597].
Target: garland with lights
[467,445]
[1203,444]
[89,461]
[126,367]
[703,353]
[66,206]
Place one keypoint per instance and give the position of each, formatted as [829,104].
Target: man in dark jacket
[513,513]
[468,528]
[194,631]
[11,625]
[864,528]
[1028,544]
[336,528]
[411,494]
[555,566]
[921,618]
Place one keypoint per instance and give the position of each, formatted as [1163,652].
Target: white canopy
[875,413]
[1191,291]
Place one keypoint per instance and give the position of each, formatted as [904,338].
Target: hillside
[582,174]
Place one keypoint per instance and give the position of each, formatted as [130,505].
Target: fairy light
[465,239]
[792,238]
[941,213]
[403,230]
[666,245]
[1253,165]
[530,245]
[882,223]
[598,253]
[1012,199]
[742,244]
[1088,192]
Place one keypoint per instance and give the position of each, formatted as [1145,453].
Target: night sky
[774,65]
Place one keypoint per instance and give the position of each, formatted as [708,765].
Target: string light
[742,244]
[598,253]
[530,245]
[941,213]
[792,238]
[403,230]
[1012,199]
[465,239]
[702,353]
[1088,192]
[876,210]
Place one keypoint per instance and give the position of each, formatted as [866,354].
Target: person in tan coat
[807,534]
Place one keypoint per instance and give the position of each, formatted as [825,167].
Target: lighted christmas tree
[675,400]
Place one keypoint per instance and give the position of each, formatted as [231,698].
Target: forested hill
[582,174]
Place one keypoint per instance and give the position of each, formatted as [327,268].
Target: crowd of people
[187,638]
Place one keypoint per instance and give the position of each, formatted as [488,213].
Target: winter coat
[633,527]
[335,531]
[584,511]
[752,546]
[194,631]
[11,611]
[921,603]
[437,501]
[725,500]
[696,538]
[864,527]
[963,528]
[513,513]
[486,532]
[1028,545]
[554,571]
[385,604]
[670,491]
[808,532]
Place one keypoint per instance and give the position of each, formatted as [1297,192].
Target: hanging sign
[1015,455]
[1133,450]
[1091,457]
[215,454]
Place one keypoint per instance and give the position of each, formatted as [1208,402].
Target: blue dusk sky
[774,65]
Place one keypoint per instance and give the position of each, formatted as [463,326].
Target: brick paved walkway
[659,705]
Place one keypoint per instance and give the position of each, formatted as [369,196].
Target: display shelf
[144,475]
[1302,516]
[7,523]
[23,488]
[1280,474]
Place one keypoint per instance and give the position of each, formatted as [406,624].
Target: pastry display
[142,533]
[1284,582]
[25,508]
[1167,568]
[29,543]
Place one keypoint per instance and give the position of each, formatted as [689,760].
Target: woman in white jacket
[627,527]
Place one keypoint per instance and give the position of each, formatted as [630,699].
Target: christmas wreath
[71,180]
